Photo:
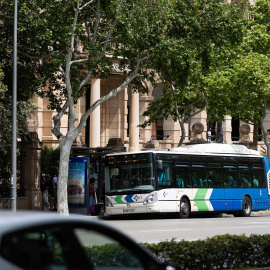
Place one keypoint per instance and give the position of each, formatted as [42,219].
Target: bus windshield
[129,173]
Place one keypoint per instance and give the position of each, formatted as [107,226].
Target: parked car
[31,240]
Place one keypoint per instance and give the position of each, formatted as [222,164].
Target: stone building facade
[120,116]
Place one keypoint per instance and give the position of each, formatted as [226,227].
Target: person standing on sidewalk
[209,135]
[54,181]
[45,194]
[92,196]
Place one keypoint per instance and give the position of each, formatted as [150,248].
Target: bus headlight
[108,202]
[151,198]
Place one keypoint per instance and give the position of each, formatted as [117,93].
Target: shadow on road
[160,216]
[152,216]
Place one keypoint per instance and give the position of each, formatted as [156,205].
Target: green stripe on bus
[118,199]
[199,199]
[202,206]
[201,193]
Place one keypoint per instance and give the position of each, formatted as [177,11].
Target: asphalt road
[153,229]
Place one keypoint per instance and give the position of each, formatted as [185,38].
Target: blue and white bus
[188,179]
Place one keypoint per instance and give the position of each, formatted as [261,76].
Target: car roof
[10,221]
[16,221]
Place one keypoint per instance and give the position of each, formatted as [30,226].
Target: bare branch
[86,4]
[85,80]
[57,121]
[97,22]
[78,61]
[72,5]
[72,116]
[35,57]
[264,132]
[87,29]
[61,69]
[109,35]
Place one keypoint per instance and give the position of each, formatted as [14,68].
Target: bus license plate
[128,211]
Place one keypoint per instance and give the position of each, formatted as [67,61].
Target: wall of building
[115,120]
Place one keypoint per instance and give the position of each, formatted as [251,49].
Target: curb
[253,214]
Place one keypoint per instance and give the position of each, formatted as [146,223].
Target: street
[160,228]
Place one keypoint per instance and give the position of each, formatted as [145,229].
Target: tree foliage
[49,161]
[200,35]
[77,40]
[27,85]
[240,87]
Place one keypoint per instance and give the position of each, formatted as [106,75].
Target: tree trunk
[183,133]
[62,202]
[219,135]
[265,138]
[268,151]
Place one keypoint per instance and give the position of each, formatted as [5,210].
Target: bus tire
[184,208]
[247,208]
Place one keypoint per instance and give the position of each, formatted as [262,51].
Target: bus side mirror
[159,165]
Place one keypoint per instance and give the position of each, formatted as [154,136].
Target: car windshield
[137,176]
[61,247]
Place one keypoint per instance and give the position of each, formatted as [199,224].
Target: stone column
[95,115]
[134,143]
[227,129]
[30,172]
[145,133]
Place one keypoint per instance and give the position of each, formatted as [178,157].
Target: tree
[3,87]
[247,87]
[181,104]
[25,110]
[243,83]
[27,83]
[200,34]
[27,67]
[87,35]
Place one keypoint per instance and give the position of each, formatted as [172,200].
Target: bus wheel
[247,207]
[184,208]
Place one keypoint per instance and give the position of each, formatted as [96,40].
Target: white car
[30,240]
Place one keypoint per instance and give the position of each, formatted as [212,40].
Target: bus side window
[183,177]
[244,178]
[198,177]
[168,173]
[161,177]
[230,178]
[165,176]
[258,179]
[214,177]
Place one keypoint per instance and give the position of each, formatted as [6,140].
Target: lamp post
[13,179]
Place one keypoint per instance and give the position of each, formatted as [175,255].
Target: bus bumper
[135,208]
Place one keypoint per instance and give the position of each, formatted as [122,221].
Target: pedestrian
[55,181]
[43,183]
[92,196]
[45,194]
[209,135]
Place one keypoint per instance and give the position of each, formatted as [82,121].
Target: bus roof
[207,148]
[216,148]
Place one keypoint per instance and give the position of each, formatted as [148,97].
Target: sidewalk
[253,213]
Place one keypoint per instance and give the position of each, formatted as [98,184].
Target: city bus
[188,179]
